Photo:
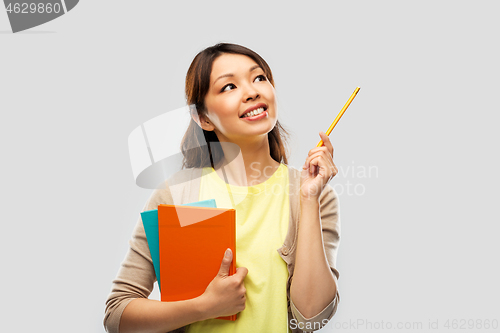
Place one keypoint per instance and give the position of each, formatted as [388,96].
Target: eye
[261,76]
[227,85]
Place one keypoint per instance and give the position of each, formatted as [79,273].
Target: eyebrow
[231,74]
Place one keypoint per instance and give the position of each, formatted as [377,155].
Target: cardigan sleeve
[330,226]
[136,276]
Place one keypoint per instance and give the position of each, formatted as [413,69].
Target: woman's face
[238,84]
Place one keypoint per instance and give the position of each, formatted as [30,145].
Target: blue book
[150,222]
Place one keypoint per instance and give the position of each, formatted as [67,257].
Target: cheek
[227,106]
[221,109]
[269,93]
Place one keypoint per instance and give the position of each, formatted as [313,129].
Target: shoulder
[294,172]
[174,186]
[184,176]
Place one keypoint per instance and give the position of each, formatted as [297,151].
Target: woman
[232,91]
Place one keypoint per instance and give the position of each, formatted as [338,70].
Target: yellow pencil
[320,143]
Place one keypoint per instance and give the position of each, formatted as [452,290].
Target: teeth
[254,112]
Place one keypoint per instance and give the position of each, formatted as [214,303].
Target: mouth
[260,108]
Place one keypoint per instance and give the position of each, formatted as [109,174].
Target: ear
[202,120]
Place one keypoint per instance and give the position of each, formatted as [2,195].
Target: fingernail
[228,253]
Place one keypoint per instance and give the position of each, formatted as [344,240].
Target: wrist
[201,304]
[309,200]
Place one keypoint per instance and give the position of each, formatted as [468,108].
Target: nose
[251,93]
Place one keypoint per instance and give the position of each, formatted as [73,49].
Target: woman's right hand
[225,295]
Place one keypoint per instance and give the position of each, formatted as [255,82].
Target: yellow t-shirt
[262,217]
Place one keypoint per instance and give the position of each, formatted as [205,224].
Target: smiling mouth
[254,112]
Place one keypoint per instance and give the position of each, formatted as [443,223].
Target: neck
[247,162]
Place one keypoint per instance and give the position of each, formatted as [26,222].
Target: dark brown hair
[197,85]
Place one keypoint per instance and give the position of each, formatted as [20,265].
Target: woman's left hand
[318,170]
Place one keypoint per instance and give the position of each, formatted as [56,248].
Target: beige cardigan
[136,275]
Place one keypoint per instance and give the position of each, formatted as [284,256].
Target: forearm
[313,285]
[151,316]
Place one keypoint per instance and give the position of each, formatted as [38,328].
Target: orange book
[193,241]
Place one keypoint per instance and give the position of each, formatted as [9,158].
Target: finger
[241,272]
[308,164]
[313,152]
[323,149]
[335,170]
[312,166]
[318,163]
[321,152]
[326,142]
[226,263]
[316,149]
[322,161]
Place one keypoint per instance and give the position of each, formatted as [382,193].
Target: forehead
[231,63]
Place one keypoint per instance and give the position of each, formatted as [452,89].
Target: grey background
[420,244]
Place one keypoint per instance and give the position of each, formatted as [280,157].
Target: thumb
[226,263]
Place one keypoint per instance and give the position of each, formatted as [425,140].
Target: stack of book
[187,244]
